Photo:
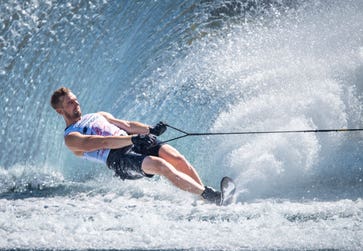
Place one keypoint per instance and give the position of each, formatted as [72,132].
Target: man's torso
[94,124]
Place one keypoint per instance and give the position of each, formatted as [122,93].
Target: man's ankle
[212,195]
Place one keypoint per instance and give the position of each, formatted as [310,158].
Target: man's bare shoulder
[71,136]
[73,141]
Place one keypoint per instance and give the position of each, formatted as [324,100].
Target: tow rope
[187,134]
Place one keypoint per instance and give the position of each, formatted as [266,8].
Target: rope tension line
[186,134]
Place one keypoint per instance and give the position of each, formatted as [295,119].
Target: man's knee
[169,152]
[180,160]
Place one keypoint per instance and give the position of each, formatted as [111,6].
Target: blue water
[201,66]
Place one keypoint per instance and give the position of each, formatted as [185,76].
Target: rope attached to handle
[186,134]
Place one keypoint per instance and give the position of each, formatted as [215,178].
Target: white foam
[128,216]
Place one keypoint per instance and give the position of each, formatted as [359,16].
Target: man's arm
[131,127]
[79,143]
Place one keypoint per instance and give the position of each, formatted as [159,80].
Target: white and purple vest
[95,124]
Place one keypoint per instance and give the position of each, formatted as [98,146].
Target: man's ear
[59,111]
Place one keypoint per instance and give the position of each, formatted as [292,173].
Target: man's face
[70,107]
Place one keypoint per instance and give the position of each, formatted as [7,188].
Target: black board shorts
[127,161]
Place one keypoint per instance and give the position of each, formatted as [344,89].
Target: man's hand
[143,141]
[158,129]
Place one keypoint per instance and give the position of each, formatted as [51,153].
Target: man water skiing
[129,148]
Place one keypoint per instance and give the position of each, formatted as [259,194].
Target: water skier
[129,148]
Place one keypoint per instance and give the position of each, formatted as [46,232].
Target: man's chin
[77,114]
[73,116]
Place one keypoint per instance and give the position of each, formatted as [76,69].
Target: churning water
[202,66]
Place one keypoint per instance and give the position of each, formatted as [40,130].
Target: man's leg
[157,165]
[176,159]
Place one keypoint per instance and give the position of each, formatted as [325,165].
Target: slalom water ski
[228,188]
